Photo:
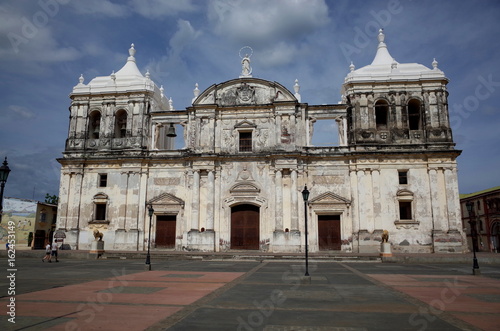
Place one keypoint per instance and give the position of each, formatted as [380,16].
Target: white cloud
[159,8]
[100,7]
[264,22]
[184,36]
[22,112]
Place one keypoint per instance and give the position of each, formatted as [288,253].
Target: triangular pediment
[244,92]
[329,198]
[166,199]
[245,124]
[245,188]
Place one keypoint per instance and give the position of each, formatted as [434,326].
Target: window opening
[405,210]
[403,177]
[414,114]
[100,212]
[245,141]
[103,180]
[381,114]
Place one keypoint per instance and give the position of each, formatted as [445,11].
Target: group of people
[50,251]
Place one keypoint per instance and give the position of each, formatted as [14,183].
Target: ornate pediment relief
[245,188]
[166,199]
[329,198]
[244,92]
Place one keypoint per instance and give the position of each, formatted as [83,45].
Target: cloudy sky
[46,44]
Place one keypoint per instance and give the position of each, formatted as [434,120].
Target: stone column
[278,130]
[122,210]
[195,205]
[211,199]
[452,198]
[354,207]
[293,197]
[279,200]
[434,200]
[366,200]
[377,206]
[64,188]
[75,195]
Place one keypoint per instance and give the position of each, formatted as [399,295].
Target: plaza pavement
[229,294]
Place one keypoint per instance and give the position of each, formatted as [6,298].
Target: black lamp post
[305,195]
[473,233]
[148,257]
[4,173]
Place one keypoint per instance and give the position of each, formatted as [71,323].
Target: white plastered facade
[247,158]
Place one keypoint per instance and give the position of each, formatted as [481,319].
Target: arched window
[94,124]
[120,124]
[414,114]
[381,114]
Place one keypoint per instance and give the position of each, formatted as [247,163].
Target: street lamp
[148,257]
[4,173]
[305,195]
[473,233]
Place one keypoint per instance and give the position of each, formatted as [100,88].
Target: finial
[148,74]
[131,51]
[162,90]
[352,67]
[435,64]
[196,91]
[113,76]
[81,79]
[171,104]
[296,88]
[394,64]
[381,36]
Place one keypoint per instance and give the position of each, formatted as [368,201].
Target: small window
[100,212]
[103,180]
[478,205]
[403,177]
[245,141]
[43,217]
[405,210]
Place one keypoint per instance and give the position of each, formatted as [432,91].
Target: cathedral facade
[237,183]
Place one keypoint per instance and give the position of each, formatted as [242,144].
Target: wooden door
[329,232]
[245,227]
[165,231]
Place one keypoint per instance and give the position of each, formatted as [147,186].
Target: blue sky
[45,45]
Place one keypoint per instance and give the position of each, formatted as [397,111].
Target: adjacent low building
[247,155]
[33,222]
[486,213]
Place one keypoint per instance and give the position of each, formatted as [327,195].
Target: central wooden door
[165,231]
[329,232]
[245,227]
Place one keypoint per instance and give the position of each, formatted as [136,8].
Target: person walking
[54,251]
[47,253]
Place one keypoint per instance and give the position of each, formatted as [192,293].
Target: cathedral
[237,182]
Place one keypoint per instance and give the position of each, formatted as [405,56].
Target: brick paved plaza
[270,295]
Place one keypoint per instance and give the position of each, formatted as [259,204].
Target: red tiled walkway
[129,302]
[469,298]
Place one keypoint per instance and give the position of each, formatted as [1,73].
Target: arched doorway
[495,237]
[245,227]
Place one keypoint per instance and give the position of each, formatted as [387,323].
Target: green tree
[52,199]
